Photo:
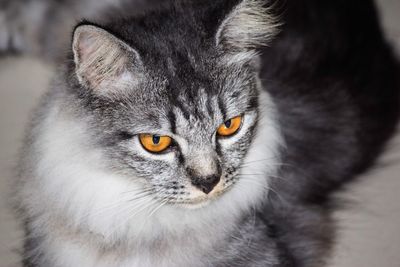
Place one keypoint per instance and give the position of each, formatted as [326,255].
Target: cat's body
[325,105]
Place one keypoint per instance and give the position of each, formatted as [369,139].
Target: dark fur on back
[337,90]
[336,83]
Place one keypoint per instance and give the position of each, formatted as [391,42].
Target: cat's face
[184,141]
[180,120]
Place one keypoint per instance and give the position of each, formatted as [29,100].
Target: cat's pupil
[228,124]
[156,139]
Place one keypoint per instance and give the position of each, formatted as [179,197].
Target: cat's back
[336,83]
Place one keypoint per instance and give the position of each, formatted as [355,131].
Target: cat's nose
[206,184]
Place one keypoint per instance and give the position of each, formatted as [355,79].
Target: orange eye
[230,127]
[155,143]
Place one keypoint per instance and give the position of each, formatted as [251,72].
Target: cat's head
[174,100]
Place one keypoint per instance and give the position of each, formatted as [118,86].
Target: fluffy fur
[317,110]
[250,25]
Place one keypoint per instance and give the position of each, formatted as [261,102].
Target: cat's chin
[201,202]
[194,205]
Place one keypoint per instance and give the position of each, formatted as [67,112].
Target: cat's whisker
[262,174]
[139,203]
[252,174]
[248,164]
[133,213]
[136,199]
[265,187]
[127,199]
[138,190]
[259,160]
[165,201]
[255,182]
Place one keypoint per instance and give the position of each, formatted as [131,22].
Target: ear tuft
[250,25]
[102,61]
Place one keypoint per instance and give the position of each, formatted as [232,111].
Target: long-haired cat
[204,133]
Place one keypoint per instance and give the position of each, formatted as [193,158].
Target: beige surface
[369,227]
[21,82]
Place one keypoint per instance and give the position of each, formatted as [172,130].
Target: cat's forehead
[189,78]
[188,103]
[203,91]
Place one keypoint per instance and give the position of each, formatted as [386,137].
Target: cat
[205,133]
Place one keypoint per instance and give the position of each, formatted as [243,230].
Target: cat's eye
[155,143]
[230,126]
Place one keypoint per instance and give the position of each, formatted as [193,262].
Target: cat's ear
[103,62]
[247,27]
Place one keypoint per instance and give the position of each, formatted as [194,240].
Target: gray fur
[93,196]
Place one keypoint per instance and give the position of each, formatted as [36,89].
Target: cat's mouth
[199,199]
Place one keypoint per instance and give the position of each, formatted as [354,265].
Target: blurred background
[369,228]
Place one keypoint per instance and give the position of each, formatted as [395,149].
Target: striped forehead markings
[172,121]
[222,107]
